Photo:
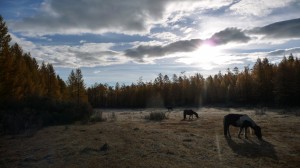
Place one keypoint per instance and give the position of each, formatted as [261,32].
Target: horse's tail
[184,114]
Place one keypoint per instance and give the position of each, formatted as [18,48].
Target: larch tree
[76,87]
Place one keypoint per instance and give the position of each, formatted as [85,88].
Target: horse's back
[233,116]
[231,119]
[188,112]
[238,120]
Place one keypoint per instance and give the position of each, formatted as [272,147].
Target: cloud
[285,52]
[220,38]
[86,55]
[258,7]
[283,29]
[229,35]
[83,55]
[165,36]
[101,16]
[154,51]
[71,17]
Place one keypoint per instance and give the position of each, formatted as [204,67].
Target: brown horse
[190,113]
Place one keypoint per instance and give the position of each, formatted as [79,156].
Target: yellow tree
[262,75]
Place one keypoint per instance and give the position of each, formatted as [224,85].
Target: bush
[97,117]
[260,111]
[113,116]
[156,116]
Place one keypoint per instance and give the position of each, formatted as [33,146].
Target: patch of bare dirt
[126,139]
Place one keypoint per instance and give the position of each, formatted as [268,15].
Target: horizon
[112,41]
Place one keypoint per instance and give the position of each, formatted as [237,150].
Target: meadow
[124,138]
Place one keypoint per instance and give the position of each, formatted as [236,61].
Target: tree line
[265,84]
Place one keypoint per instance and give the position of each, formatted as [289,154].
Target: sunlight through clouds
[208,57]
[112,33]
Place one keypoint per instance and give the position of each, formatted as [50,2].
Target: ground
[126,139]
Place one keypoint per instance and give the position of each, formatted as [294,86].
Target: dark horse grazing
[242,121]
[190,113]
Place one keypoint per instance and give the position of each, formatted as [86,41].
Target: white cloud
[97,72]
[285,52]
[165,36]
[84,55]
[259,8]
[82,41]
[22,42]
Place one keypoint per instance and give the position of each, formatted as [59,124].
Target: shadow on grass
[253,149]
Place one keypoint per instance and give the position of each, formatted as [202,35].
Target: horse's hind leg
[226,131]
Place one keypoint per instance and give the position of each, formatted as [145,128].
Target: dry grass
[128,140]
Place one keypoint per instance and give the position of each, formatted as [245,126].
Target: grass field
[126,139]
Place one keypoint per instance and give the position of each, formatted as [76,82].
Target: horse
[243,121]
[190,113]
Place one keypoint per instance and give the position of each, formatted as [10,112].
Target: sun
[205,57]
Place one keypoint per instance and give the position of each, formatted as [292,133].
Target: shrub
[113,116]
[156,116]
[260,111]
[97,116]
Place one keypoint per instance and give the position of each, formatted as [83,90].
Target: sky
[127,40]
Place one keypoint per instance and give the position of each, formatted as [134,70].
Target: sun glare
[206,57]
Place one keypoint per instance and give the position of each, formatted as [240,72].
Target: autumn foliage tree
[76,88]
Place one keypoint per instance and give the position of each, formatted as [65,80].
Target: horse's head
[257,131]
[196,114]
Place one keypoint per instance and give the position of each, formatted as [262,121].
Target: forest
[265,84]
[33,95]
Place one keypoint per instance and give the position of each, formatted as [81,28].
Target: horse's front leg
[228,132]
[246,137]
[241,129]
